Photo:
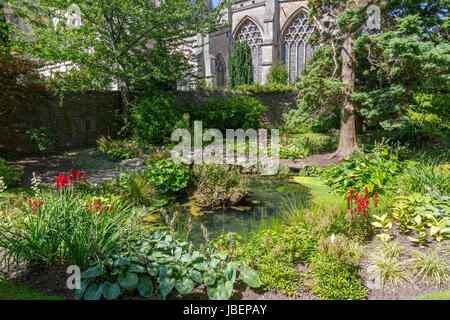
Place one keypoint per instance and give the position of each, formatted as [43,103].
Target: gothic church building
[276,30]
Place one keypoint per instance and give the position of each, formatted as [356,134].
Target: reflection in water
[268,194]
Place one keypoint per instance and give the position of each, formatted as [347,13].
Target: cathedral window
[249,32]
[295,50]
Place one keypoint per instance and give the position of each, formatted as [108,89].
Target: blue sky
[215,2]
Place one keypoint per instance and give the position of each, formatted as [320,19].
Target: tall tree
[141,45]
[338,23]
[240,68]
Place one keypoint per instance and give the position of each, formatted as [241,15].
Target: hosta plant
[385,223]
[440,229]
[160,262]
[168,176]
[419,225]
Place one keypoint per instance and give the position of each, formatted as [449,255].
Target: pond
[269,195]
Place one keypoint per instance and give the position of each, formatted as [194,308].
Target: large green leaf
[250,277]
[128,280]
[78,293]
[220,291]
[94,292]
[165,287]
[111,290]
[196,276]
[185,285]
[209,277]
[92,272]
[153,268]
[145,286]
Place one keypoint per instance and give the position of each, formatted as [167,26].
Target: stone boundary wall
[76,120]
[79,119]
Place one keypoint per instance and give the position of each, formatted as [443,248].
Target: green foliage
[4,29]
[417,212]
[398,64]
[294,148]
[11,175]
[335,280]
[43,137]
[374,170]
[430,266]
[119,149]
[217,185]
[278,74]
[419,176]
[153,119]
[168,176]
[256,88]
[275,254]
[126,58]
[240,66]
[389,265]
[234,112]
[170,262]
[319,92]
[67,227]
[339,248]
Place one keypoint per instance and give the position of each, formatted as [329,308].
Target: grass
[320,191]
[439,295]
[10,291]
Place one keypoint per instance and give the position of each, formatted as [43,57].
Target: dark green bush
[153,119]
[278,74]
[232,113]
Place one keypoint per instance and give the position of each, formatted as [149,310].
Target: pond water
[269,195]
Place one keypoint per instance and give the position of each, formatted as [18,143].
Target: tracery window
[249,32]
[295,50]
[220,71]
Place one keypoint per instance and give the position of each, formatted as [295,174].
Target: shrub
[339,248]
[218,186]
[232,113]
[336,280]
[256,88]
[168,176]
[43,138]
[11,175]
[119,149]
[153,119]
[64,226]
[275,254]
[374,170]
[278,74]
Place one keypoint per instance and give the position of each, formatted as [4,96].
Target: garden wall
[78,119]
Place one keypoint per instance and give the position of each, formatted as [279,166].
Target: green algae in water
[269,195]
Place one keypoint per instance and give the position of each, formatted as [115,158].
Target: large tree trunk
[125,99]
[347,139]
